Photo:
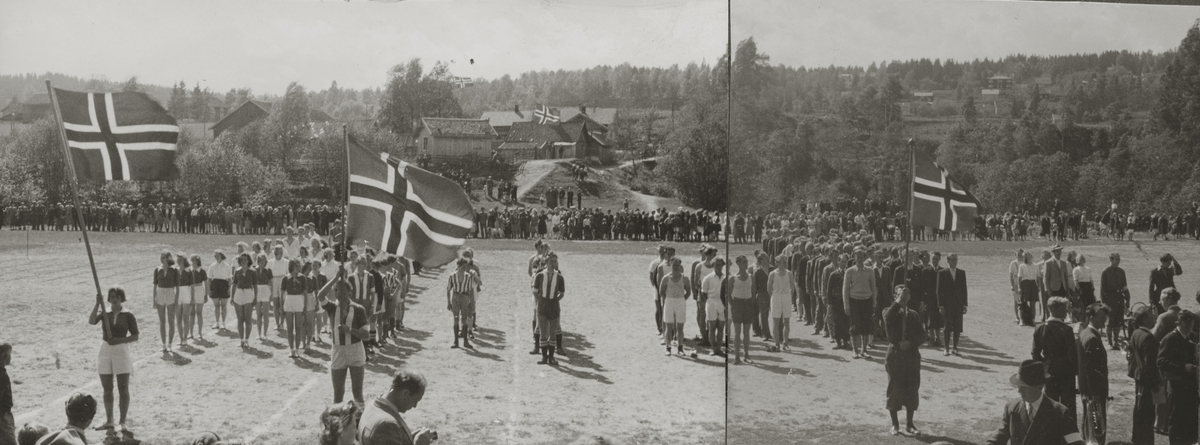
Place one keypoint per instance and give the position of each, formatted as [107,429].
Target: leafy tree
[289,127]
[411,94]
[1178,106]
[131,86]
[969,113]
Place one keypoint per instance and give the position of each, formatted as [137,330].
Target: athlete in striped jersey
[469,255]
[460,300]
[363,284]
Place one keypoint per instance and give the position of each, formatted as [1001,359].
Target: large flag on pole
[938,201]
[544,115]
[119,136]
[404,210]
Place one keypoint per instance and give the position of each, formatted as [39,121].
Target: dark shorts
[953,319]
[219,289]
[860,317]
[745,310]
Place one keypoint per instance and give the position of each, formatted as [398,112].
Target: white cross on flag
[939,202]
[544,115]
[119,136]
[405,210]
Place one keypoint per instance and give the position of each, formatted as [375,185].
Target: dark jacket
[1174,353]
[1054,345]
[952,291]
[1160,279]
[1093,365]
[1051,426]
[1145,358]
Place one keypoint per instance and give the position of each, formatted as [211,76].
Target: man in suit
[930,312]
[952,301]
[1034,419]
[1093,374]
[381,423]
[1015,281]
[1144,372]
[1057,280]
[1054,345]
[1177,361]
[1163,277]
[1114,293]
[1165,324]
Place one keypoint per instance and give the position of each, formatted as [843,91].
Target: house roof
[506,118]
[534,132]
[602,116]
[458,128]
[511,145]
[313,114]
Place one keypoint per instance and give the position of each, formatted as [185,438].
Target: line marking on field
[270,423]
[21,419]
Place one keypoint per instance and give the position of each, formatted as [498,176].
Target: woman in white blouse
[1027,273]
[1082,274]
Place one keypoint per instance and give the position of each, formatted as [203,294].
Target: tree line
[857,147]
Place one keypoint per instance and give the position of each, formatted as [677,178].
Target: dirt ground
[614,386]
[813,394]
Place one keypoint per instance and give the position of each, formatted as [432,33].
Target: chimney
[582,109]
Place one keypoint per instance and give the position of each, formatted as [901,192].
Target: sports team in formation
[887,223]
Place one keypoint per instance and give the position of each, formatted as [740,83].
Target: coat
[1052,425]
[952,290]
[1093,365]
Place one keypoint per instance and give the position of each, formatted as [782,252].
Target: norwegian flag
[119,136]
[938,201]
[543,115]
[405,210]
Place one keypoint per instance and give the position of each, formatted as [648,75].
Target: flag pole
[62,135]
[346,198]
[908,232]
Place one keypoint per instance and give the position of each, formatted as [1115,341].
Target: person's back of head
[31,433]
[81,409]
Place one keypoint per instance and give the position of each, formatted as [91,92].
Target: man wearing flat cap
[1034,419]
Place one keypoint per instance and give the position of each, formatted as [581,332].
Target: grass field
[813,394]
[614,386]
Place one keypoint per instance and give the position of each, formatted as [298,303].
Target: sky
[264,45]
[857,32]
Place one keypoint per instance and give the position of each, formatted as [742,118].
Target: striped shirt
[340,316]
[461,284]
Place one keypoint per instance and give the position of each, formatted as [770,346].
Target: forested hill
[1086,83]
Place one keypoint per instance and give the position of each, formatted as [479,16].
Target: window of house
[425,141]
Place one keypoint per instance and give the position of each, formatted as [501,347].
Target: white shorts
[114,359]
[293,303]
[781,306]
[264,293]
[674,310]
[196,296]
[243,296]
[714,310]
[164,296]
[344,357]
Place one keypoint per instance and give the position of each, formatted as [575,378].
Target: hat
[1031,373]
[1056,247]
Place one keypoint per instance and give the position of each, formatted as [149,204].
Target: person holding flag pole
[113,136]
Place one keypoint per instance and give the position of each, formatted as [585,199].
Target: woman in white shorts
[263,279]
[166,296]
[674,291]
[781,286]
[185,296]
[294,287]
[714,305]
[743,310]
[199,294]
[120,329]
[279,269]
[244,292]
[312,318]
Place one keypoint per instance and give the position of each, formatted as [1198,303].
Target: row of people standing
[170,218]
[596,224]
